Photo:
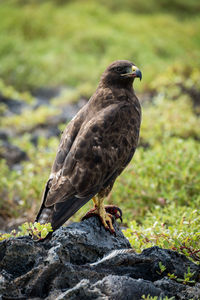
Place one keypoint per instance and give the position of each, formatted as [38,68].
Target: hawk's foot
[91,213]
[105,215]
[114,210]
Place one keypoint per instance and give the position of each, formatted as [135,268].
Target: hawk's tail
[59,213]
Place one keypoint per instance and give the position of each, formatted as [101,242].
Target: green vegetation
[187,277]
[9,91]
[29,119]
[156,298]
[22,189]
[36,230]
[162,268]
[172,227]
[46,43]
[69,43]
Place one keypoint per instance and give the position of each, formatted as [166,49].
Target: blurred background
[52,54]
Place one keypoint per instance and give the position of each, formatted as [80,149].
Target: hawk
[95,147]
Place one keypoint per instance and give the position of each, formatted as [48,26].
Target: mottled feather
[95,148]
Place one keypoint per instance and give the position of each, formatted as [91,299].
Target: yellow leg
[105,213]
[95,201]
[106,218]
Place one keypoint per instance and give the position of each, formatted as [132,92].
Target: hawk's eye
[119,69]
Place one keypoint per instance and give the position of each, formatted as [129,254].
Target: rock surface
[12,154]
[83,261]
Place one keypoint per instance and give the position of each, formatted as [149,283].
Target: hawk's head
[121,72]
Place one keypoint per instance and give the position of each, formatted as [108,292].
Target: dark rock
[118,286]
[12,154]
[4,135]
[112,287]
[50,127]
[19,256]
[44,131]
[83,290]
[71,109]
[191,293]
[43,95]
[171,287]
[83,261]
[13,106]
[88,241]
[193,92]
[174,262]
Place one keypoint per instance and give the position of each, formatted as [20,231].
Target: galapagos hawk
[94,149]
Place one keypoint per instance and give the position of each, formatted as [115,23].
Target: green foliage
[175,78]
[9,92]
[167,173]
[68,95]
[29,119]
[36,230]
[153,6]
[21,190]
[156,298]
[43,43]
[168,118]
[162,268]
[173,227]
[187,277]
[180,81]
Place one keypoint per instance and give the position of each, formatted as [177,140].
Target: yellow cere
[134,68]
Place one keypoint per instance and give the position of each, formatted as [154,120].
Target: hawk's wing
[91,157]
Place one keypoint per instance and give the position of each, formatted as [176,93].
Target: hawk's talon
[114,211]
[106,219]
[106,214]
[91,213]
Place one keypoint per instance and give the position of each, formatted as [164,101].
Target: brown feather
[95,147]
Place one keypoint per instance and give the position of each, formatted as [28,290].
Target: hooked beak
[138,74]
[135,73]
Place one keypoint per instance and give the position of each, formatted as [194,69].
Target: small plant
[36,230]
[172,276]
[148,297]
[162,268]
[187,277]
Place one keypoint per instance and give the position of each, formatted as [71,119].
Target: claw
[106,216]
[92,212]
[115,211]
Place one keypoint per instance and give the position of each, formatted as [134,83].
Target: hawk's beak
[137,72]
